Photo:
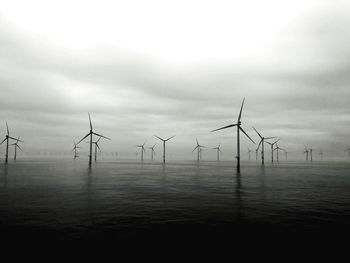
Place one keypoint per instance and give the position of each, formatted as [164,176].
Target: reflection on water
[119,196]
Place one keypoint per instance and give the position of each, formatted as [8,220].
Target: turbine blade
[268,138]
[257,133]
[159,138]
[98,147]
[90,121]
[99,139]
[246,134]
[3,141]
[276,141]
[7,128]
[240,112]
[144,143]
[195,148]
[84,137]
[170,138]
[19,147]
[197,141]
[15,139]
[228,126]
[101,136]
[259,145]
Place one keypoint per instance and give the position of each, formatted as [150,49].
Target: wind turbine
[164,141]
[7,138]
[307,153]
[272,144]
[198,147]
[249,151]
[218,151]
[75,150]
[152,150]
[16,146]
[310,154]
[276,149]
[286,153]
[321,153]
[97,146]
[238,124]
[262,140]
[142,146]
[90,134]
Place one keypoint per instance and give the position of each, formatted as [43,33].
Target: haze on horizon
[176,67]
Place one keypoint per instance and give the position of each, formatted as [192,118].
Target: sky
[176,68]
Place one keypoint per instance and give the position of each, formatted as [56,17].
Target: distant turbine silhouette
[262,140]
[7,138]
[218,151]
[152,151]
[198,147]
[286,153]
[276,149]
[164,141]
[97,146]
[142,146]
[249,151]
[307,153]
[321,153]
[75,150]
[310,154]
[272,144]
[16,146]
[238,124]
[256,154]
[90,134]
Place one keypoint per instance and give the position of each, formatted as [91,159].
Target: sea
[66,200]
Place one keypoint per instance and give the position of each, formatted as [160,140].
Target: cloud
[296,89]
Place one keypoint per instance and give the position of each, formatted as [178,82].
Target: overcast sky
[176,67]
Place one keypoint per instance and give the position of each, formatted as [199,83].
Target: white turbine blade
[90,121]
[246,134]
[15,139]
[257,133]
[84,138]
[170,138]
[276,141]
[101,136]
[159,138]
[259,145]
[240,112]
[3,140]
[228,126]
[98,147]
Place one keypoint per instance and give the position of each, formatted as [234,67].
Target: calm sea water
[65,200]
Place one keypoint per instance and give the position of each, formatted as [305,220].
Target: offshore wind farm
[136,126]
